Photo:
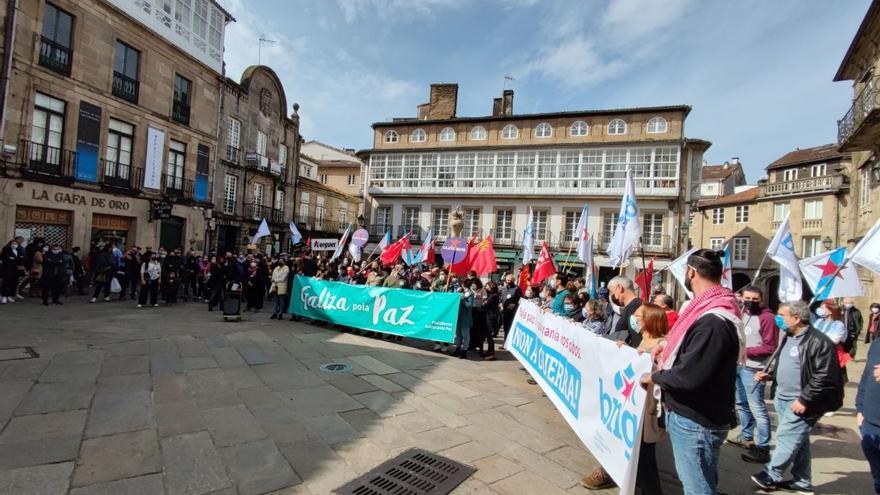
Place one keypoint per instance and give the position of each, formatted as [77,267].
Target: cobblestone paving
[175,401]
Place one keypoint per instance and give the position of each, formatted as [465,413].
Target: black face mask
[687,283]
[615,301]
[753,307]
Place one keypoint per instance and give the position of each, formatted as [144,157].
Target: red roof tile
[746,196]
[808,155]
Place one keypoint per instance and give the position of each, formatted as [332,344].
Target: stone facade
[337,168]
[322,210]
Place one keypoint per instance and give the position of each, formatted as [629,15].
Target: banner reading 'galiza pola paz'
[592,382]
[410,313]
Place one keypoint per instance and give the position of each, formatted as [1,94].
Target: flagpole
[761,265]
[820,288]
[644,267]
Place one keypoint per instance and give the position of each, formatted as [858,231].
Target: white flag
[341,245]
[678,268]
[629,226]
[355,252]
[826,277]
[528,243]
[867,251]
[582,234]
[295,236]
[781,250]
[262,231]
[726,272]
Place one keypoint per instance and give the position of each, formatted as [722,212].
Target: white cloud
[575,62]
[393,10]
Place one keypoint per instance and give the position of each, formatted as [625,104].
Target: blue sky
[757,73]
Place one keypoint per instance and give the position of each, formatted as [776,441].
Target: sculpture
[456,222]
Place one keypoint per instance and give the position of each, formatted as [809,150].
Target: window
[865,187]
[117,153]
[742,214]
[279,200]
[471,220]
[411,170]
[717,216]
[812,209]
[182,99]
[47,132]
[716,243]
[233,140]
[56,48]
[125,72]
[304,208]
[478,133]
[504,225]
[383,219]
[570,226]
[282,156]
[543,130]
[418,136]
[609,225]
[652,229]
[391,136]
[319,213]
[579,128]
[812,246]
[790,174]
[176,165]
[818,170]
[657,125]
[262,141]
[306,171]
[230,188]
[616,127]
[540,219]
[447,134]
[258,200]
[509,132]
[323,178]
[343,216]
[780,211]
[440,222]
[411,220]
[740,252]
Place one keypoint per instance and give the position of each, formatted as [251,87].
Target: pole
[822,287]
[758,271]
[644,267]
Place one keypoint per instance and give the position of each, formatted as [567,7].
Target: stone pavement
[175,401]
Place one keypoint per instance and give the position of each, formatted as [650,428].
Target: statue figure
[456,222]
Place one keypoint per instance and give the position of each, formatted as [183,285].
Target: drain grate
[17,353]
[414,472]
[335,367]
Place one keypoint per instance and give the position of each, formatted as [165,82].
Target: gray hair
[799,309]
[622,281]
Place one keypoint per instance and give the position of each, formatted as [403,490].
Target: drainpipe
[9,43]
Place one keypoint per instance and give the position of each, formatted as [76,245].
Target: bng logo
[617,408]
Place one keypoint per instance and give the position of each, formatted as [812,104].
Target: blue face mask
[783,327]
[634,323]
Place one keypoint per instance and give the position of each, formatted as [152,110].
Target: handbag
[115,286]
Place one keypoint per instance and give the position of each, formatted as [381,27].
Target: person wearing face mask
[594,316]
[439,283]
[808,385]
[761,339]
[853,322]
[279,288]
[561,287]
[571,308]
[12,263]
[828,319]
[547,297]
[53,275]
[465,321]
[622,296]
[873,323]
[510,296]
[603,292]
[151,273]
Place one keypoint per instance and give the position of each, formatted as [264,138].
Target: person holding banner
[465,321]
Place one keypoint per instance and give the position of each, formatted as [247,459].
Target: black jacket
[53,265]
[821,381]
[621,329]
[510,297]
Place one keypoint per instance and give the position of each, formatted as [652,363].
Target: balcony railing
[812,224]
[415,232]
[530,187]
[125,87]
[54,56]
[850,127]
[826,183]
[177,188]
[259,212]
[265,165]
[314,224]
[233,155]
[654,244]
[180,112]
[121,176]
[44,161]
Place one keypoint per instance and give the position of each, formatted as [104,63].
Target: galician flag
[295,236]
[528,244]
[629,226]
[827,279]
[582,234]
[341,246]
[386,241]
[262,231]
[425,253]
[355,252]
[678,268]
[726,272]
[867,251]
[781,250]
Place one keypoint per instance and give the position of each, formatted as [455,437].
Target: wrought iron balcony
[55,57]
[46,162]
[258,212]
[178,189]
[125,87]
[233,155]
[265,165]
[812,185]
[859,128]
[121,176]
[180,112]
[415,232]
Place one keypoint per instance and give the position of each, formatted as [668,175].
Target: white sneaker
[94,299]
[19,297]
[106,299]
[10,300]
[444,348]
[140,305]
[155,305]
[437,347]
[830,414]
[3,301]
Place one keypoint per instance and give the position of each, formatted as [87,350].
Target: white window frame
[351,179]
[717,216]
[742,213]
[262,142]
[617,127]
[780,211]
[447,135]
[865,187]
[322,178]
[233,133]
[418,136]
[790,174]
[819,170]
[440,221]
[543,130]
[658,125]
[282,155]
[230,191]
[279,200]
[739,252]
[504,224]
[811,245]
[509,131]
[391,136]
[716,243]
[579,128]
[478,133]
[813,209]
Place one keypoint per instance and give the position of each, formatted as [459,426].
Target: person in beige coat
[279,288]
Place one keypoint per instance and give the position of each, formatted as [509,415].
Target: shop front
[111,228]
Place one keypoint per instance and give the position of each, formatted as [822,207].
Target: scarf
[717,299]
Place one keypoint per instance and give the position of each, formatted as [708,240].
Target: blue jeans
[462,337]
[792,446]
[696,449]
[871,448]
[751,408]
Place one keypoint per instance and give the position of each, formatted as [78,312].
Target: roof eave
[841,74]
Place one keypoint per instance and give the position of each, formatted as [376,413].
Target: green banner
[410,313]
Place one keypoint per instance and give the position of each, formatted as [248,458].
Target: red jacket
[769,336]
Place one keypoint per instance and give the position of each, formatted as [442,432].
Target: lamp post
[827,242]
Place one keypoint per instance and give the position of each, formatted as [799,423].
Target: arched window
[657,125]
[447,134]
[418,136]
[391,136]
[616,127]
[509,132]
[543,130]
[478,133]
[579,128]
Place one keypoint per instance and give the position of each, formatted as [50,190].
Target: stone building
[322,211]
[338,168]
[858,133]
[110,119]
[256,170]
[721,180]
[495,167]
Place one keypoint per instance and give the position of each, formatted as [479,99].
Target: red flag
[643,280]
[392,253]
[545,266]
[464,266]
[429,259]
[484,258]
[524,279]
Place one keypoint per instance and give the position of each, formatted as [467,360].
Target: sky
[758,74]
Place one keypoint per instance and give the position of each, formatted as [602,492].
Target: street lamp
[827,242]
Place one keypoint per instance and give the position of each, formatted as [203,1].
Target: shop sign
[160,210]
[80,199]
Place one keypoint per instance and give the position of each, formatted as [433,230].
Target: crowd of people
[713,358]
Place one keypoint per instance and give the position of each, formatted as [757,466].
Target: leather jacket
[821,380]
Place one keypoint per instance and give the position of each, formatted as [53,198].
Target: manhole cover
[16,353]
[414,472]
[335,367]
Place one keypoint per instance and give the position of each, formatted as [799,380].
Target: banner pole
[760,266]
[644,267]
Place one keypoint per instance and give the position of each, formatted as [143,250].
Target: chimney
[507,102]
[726,164]
[496,107]
[734,160]
[444,99]
[423,110]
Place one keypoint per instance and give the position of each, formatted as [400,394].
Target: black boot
[757,455]
[462,354]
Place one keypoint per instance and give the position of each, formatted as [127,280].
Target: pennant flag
[355,251]
[644,278]
[394,251]
[295,236]
[484,261]
[678,268]
[385,242]
[867,251]
[629,227]
[524,279]
[426,250]
[341,245]
[826,277]
[584,246]
[781,250]
[528,244]
[545,266]
[464,266]
[262,231]
[726,272]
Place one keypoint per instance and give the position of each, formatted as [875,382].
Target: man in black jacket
[53,275]
[807,375]
[510,296]
[622,293]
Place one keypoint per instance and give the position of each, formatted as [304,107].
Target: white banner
[324,244]
[155,153]
[593,383]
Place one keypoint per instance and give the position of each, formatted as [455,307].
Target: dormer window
[418,136]
[509,132]
[447,134]
[543,130]
[478,133]
[616,127]
[391,136]
[579,128]
[657,125]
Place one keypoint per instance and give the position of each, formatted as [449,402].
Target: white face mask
[821,312]
[848,306]
[875,310]
[614,307]
[56,251]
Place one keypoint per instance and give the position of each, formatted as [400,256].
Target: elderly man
[622,294]
[808,385]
